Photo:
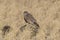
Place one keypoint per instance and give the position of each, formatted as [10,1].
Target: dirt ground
[46,12]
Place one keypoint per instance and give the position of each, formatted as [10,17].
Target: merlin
[30,19]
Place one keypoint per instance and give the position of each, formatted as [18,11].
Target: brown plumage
[30,19]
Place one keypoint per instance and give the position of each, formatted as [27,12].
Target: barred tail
[36,24]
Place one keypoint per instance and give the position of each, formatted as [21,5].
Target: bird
[30,19]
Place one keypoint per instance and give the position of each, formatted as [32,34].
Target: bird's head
[26,13]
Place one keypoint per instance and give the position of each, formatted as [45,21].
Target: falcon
[30,19]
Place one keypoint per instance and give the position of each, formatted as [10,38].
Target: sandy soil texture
[46,13]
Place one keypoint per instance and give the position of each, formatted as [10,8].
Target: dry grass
[46,12]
